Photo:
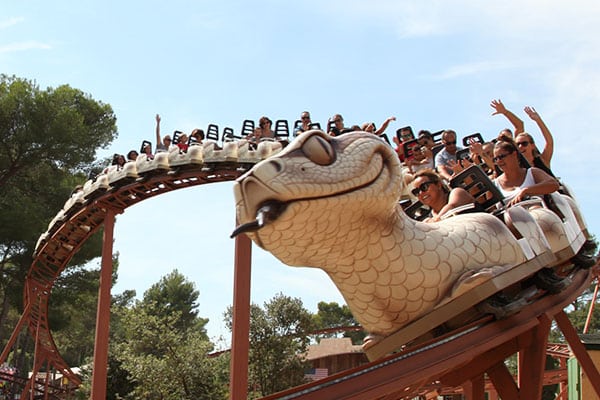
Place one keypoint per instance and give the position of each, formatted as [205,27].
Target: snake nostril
[276,165]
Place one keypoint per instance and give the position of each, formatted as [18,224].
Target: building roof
[332,346]
[591,341]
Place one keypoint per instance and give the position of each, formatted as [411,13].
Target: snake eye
[318,150]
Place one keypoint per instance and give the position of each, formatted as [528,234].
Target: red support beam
[532,361]
[99,371]
[475,388]
[13,338]
[240,335]
[503,381]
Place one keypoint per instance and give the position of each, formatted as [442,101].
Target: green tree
[61,128]
[279,338]
[160,348]
[48,137]
[177,368]
[332,316]
[175,294]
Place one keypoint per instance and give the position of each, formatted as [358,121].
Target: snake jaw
[268,212]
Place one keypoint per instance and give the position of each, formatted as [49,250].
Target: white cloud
[23,46]
[7,23]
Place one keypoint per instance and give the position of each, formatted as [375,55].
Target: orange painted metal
[402,375]
[416,370]
[100,368]
[240,341]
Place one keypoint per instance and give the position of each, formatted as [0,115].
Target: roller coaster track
[77,222]
[460,356]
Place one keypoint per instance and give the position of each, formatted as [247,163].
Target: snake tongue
[265,214]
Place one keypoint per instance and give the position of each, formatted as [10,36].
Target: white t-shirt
[509,194]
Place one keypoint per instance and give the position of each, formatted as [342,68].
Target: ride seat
[212,132]
[282,130]
[247,128]
[229,135]
[481,187]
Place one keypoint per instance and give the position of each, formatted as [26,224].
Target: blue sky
[432,64]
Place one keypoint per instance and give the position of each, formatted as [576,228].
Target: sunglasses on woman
[423,187]
[501,157]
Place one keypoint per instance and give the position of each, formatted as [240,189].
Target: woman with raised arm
[527,147]
[517,123]
[516,182]
[370,126]
[161,144]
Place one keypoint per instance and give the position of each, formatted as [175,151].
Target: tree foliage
[175,294]
[160,349]
[48,137]
[166,363]
[332,315]
[60,128]
[279,337]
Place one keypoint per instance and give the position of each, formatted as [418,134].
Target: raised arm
[158,139]
[499,108]
[384,126]
[549,146]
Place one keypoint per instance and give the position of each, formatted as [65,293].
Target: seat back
[404,128]
[247,128]
[385,137]
[297,124]
[176,137]
[475,136]
[481,187]
[147,143]
[437,136]
[462,154]
[229,134]
[282,130]
[417,211]
[212,132]
[410,147]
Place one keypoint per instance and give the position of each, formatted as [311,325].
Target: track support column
[532,361]
[240,335]
[99,371]
[474,388]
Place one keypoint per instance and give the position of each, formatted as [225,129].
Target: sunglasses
[450,143]
[304,117]
[524,144]
[501,157]
[423,187]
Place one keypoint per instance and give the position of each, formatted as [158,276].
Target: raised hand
[498,106]
[530,111]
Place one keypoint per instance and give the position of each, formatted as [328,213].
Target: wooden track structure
[459,358]
[462,357]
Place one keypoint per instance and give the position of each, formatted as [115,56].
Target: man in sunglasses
[447,156]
